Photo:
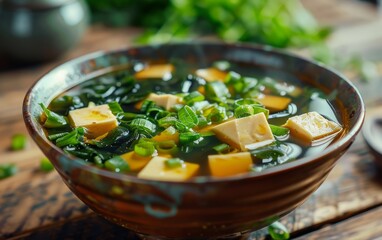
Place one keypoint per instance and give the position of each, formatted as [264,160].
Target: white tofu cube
[156,169]
[311,126]
[97,120]
[245,133]
[166,101]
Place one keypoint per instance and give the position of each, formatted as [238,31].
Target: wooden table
[37,205]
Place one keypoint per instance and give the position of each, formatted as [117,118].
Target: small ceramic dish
[372,133]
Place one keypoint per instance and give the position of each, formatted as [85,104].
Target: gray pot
[39,30]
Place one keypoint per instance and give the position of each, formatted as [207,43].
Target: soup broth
[175,121]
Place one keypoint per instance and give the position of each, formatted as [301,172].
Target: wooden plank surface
[37,205]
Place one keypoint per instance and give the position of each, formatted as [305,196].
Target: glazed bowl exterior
[203,207]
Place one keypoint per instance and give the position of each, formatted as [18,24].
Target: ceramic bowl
[203,207]
[372,133]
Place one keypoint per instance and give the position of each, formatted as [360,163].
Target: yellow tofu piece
[211,74]
[224,165]
[167,135]
[311,126]
[245,133]
[274,103]
[97,120]
[156,169]
[155,71]
[135,161]
[164,100]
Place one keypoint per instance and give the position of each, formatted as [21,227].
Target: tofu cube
[245,133]
[97,120]
[162,71]
[311,126]
[211,74]
[166,101]
[135,161]
[156,169]
[274,103]
[224,165]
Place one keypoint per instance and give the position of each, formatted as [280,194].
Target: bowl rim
[344,142]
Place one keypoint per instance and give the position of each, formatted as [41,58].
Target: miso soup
[174,121]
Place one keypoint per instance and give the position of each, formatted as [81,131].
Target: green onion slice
[244,111]
[168,146]
[19,142]
[115,108]
[193,97]
[188,137]
[117,164]
[53,120]
[222,148]
[144,148]
[174,163]
[278,231]
[278,130]
[7,170]
[188,117]
[46,165]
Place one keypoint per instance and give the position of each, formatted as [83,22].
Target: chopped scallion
[278,130]
[115,108]
[188,137]
[188,117]
[168,146]
[46,165]
[117,164]
[7,170]
[174,163]
[144,148]
[222,148]
[278,231]
[193,97]
[19,142]
[244,111]
[52,119]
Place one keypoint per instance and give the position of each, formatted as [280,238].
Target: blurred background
[38,31]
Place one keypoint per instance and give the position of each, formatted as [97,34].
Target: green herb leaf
[53,120]
[188,117]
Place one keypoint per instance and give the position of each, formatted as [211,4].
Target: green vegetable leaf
[188,117]
[53,120]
